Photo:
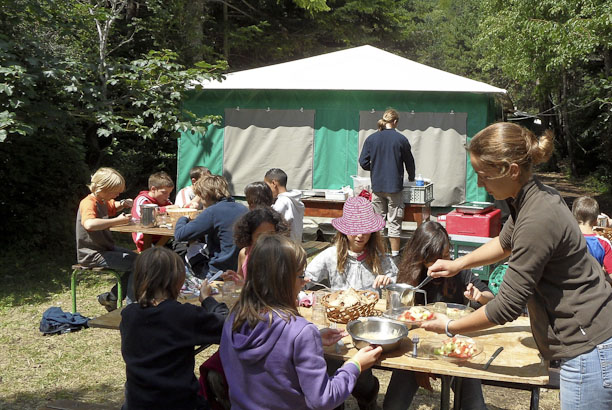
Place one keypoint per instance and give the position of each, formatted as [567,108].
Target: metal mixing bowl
[362,329]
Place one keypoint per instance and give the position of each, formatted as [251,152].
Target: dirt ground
[571,190]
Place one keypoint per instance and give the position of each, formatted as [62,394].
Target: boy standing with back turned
[586,210]
[287,203]
[160,188]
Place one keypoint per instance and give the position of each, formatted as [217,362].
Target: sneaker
[107,300]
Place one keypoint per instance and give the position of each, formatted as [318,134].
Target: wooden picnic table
[332,208]
[311,247]
[518,366]
[148,233]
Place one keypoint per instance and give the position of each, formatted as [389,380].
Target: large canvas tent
[310,118]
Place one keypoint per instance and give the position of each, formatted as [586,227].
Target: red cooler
[486,224]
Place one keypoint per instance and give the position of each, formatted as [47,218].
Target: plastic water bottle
[419,180]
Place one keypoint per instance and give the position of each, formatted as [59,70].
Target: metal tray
[474,207]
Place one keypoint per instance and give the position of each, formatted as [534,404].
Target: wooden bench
[75,405]
[314,247]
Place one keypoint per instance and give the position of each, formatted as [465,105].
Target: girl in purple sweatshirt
[273,357]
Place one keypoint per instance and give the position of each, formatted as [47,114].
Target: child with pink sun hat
[357,259]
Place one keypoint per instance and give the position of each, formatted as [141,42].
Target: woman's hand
[381,281]
[443,268]
[367,356]
[330,337]
[205,290]
[233,276]
[437,324]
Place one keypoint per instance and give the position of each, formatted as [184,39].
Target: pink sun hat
[358,217]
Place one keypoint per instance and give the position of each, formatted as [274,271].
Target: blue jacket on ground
[215,226]
[385,154]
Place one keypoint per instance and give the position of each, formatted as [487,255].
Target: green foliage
[88,83]
[42,177]
[147,95]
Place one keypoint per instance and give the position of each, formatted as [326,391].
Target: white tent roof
[359,68]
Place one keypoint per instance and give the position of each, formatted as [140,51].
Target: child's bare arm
[473,293]
[99,224]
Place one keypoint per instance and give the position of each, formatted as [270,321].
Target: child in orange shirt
[95,247]
[160,188]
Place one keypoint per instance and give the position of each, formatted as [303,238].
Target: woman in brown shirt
[549,270]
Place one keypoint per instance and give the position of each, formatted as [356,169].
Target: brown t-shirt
[550,270]
[91,243]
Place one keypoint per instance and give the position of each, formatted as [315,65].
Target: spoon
[425,282]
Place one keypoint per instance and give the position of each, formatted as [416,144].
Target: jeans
[403,386]
[122,260]
[586,380]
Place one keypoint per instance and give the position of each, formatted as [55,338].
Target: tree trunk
[226,46]
[195,33]
[566,128]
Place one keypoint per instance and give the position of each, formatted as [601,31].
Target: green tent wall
[336,126]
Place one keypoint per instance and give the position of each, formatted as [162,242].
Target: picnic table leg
[445,393]
[457,401]
[147,241]
[535,398]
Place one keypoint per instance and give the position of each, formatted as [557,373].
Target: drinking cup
[319,315]
[439,307]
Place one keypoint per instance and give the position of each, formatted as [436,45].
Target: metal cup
[147,215]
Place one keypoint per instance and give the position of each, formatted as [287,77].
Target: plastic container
[486,224]
[413,194]
[360,184]
[462,245]
[337,195]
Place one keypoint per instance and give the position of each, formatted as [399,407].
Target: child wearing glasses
[273,357]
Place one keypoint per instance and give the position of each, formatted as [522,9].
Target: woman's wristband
[356,363]
[448,333]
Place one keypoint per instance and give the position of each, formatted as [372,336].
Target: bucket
[360,184]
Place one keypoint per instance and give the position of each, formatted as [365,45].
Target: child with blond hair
[98,212]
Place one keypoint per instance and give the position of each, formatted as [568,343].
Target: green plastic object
[76,269]
[497,277]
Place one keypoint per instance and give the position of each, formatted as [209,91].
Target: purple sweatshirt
[281,366]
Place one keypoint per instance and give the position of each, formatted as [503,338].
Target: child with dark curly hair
[246,231]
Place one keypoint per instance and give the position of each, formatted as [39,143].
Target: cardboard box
[486,225]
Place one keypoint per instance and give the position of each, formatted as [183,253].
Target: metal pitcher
[147,215]
[402,294]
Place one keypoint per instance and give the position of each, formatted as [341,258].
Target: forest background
[96,83]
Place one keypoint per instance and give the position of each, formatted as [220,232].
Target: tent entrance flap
[257,140]
[438,146]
